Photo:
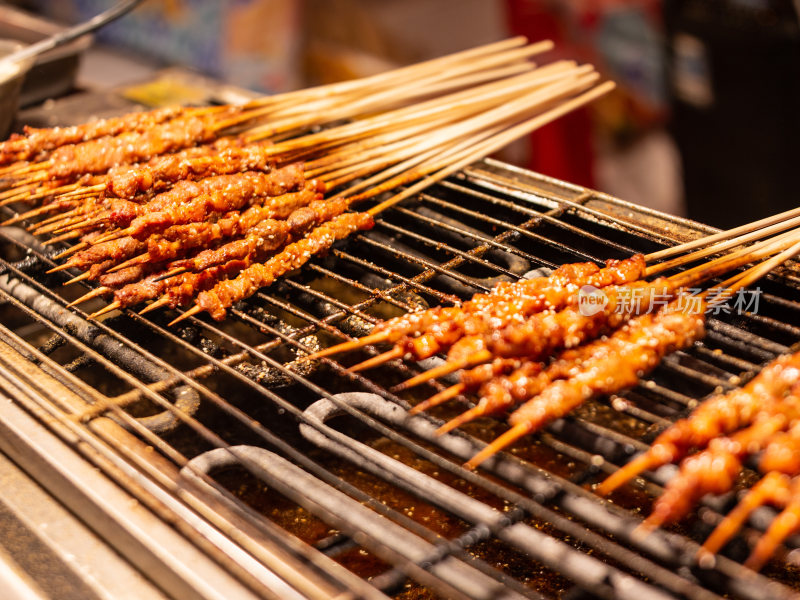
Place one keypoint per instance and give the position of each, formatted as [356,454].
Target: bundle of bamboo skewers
[512,343]
[211,204]
[530,347]
[207,205]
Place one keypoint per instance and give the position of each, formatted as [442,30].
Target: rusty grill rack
[216,427]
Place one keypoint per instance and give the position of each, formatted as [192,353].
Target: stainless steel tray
[54,71]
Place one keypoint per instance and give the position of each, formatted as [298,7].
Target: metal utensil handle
[77,31]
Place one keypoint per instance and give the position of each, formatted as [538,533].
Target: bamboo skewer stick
[675,283]
[720,247]
[392,95]
[63,237]
[81,277]
[498,142]
[113,306]
[492,92]
[72,250]
[387,80]
[100,291]
[403,73]
[396,77]
[723,235]
[427,147]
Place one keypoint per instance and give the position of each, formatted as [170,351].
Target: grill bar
[405,263]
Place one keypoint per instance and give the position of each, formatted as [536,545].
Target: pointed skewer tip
[508,438]
[373,338]
[80,277]
[434,373]
[88,296]
[440,398]
[58,268]
[113,306]
[189,313]
[377,361]
[154,305]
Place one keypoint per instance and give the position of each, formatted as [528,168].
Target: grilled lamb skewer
[564,280]
[464,330]
[36,141]
[615,364]
[268,235]
[780,486]
[176,290]
[714,470]
[223,157]
[228,292]
[180,239]
[542,333]
[136,183]
[114,250]
[100,155]
[717,416]
[189,202]
[227,191]
[194,201]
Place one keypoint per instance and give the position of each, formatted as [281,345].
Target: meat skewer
[616,363]
[194,201]
[544,332]
[262,235]
[717,416]
[114,250]
[178,289]
[178,239]
[781,463]
[575,275]
[714,470]
[129,182]
[269,234]
[226,293]
[36,141]
[100,155]
[619,361]
[223,157]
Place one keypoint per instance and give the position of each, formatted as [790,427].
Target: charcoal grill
[218,464]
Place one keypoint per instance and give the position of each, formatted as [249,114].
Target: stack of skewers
[207,205]
[533,348]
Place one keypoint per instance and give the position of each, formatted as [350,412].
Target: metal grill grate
[239,428]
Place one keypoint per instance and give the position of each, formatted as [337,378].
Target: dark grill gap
[489,223]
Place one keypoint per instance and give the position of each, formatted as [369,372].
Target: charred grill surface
[533,528]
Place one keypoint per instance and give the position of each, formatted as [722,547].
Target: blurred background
[705,122]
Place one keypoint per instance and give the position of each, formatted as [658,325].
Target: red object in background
[564,148]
